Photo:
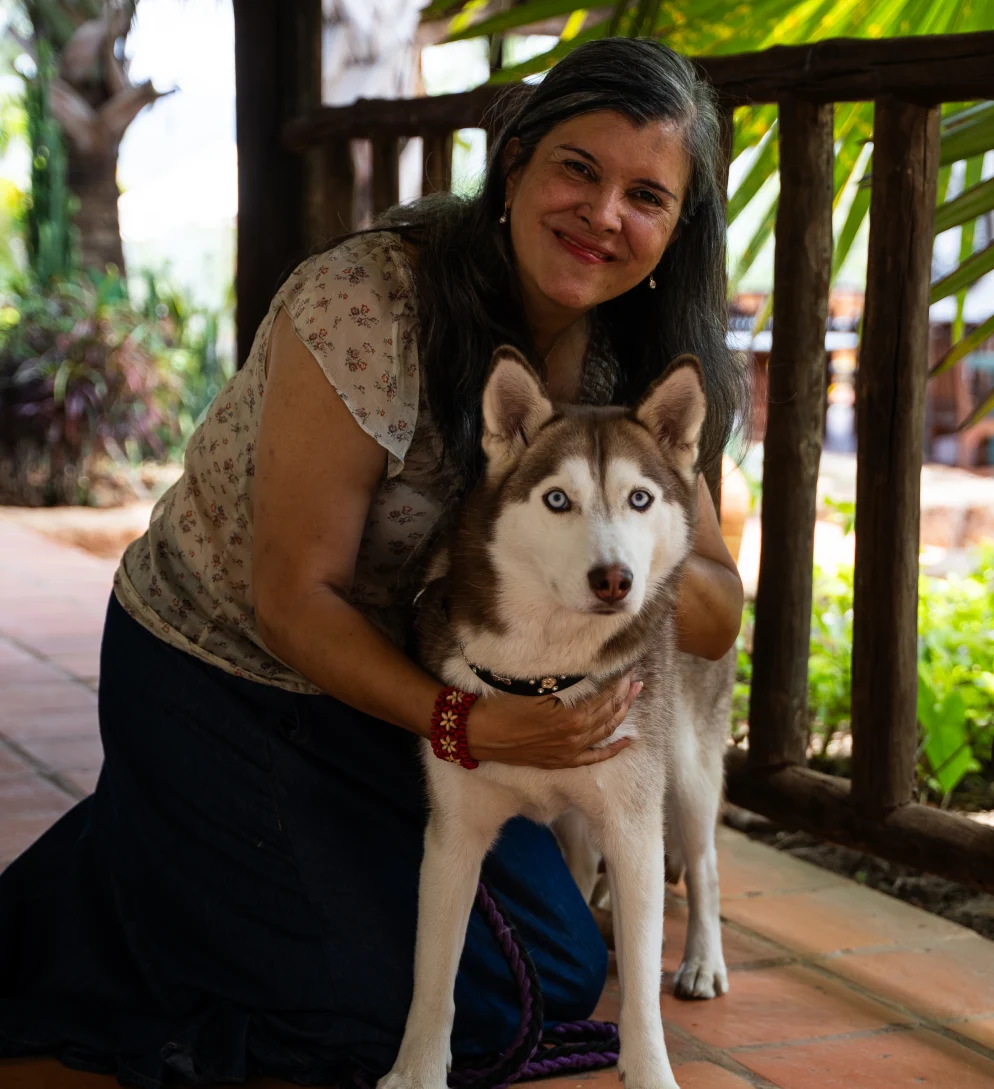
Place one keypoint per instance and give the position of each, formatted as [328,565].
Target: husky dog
[562,569]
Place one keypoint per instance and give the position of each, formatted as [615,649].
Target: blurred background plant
[80,104]
[86,376]
[955,681]
[96,376]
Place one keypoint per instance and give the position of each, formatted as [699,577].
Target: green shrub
[83,372]
[193,356]
[955,675]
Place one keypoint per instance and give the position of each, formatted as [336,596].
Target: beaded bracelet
[448,727]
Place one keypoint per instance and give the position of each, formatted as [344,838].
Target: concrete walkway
[833,986]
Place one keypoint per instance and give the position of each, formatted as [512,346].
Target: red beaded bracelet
[448,727]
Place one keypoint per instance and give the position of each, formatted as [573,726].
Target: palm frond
[972,136]
[985,406]
[754,246]
[763,167]
[965,274]
[964,347]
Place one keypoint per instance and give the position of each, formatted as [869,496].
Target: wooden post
[277,77]
[778,727]
[386,173]
[338,189]
[890,415]
[437,161]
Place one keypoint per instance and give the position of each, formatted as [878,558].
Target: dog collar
[528,686]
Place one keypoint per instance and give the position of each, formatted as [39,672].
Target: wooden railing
[907,79]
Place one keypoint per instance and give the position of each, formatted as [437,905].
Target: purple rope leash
[535,1052]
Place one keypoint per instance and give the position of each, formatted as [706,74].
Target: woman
[239,894]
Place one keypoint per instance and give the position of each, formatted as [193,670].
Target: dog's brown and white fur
[510,592]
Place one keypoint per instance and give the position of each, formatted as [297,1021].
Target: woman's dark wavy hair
[468,294]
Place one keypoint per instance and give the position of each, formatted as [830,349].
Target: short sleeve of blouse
[354,309]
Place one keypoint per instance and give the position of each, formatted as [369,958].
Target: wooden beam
[941,68]
[926,69]
[391,117]
[916,835]
[386,173]
[437,159]
[890,421]
[778,719]
[277,76]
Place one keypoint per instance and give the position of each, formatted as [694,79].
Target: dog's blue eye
[556,500]
[640,499]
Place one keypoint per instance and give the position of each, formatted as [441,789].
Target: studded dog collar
[528,686]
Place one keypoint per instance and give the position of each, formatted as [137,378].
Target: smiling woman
[599,229]
[240,893]
[591,213]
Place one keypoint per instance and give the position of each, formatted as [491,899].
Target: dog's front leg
[633,852]
[454,851]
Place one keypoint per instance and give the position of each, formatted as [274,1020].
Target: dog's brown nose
[610,583]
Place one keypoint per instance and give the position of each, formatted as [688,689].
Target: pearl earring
[652,282]
[503,218]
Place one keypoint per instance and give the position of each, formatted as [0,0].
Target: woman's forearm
[335,647]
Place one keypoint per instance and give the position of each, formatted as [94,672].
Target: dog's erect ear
[514,407]
[673,410]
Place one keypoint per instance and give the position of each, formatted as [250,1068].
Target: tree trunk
[93,183]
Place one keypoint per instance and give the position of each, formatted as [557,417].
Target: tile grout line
[43,770]
[920,1020]
[699,1051]
[835,1037]
[45,660]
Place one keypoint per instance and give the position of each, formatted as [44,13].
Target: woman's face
[593,209]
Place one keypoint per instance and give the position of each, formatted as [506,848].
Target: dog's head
[592,509]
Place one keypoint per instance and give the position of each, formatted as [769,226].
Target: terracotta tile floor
[833,986]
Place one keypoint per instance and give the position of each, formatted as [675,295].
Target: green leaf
[858,211]
[970,342]
[985,406]
[751,125]
[971,203]
[974,171]
[947,743]
[846,160]
[546,60]
[754,246]
[61,384]
[511,19]
[966,274]
[763,166]
[973,136]
[438,9]
[763,316]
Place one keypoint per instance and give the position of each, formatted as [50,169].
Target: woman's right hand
[541,732]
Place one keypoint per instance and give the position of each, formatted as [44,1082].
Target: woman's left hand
[709,605]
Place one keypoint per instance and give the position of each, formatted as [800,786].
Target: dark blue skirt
[239,895]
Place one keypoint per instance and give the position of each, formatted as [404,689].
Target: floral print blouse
[188,579]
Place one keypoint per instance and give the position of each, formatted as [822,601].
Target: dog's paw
[402,1079]
[640,1069]
[701,977]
